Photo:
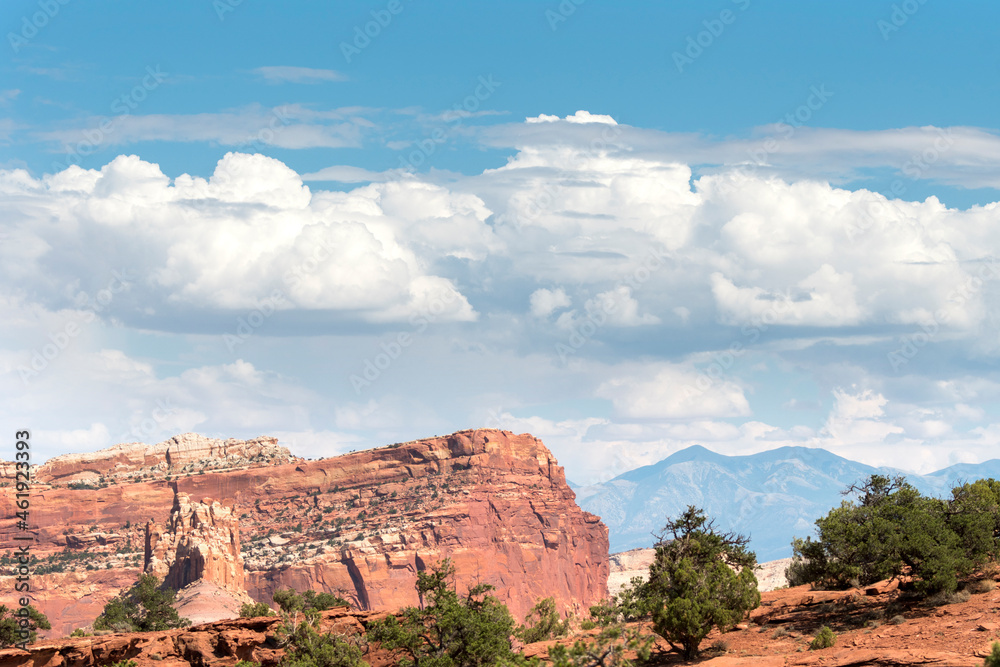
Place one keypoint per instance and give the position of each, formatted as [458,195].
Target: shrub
[542,623]
[719,646]
[80,632]
[825,638]
[943,597]
[892,527]
[981,586]
[289,601]
[450,630]
[898,619]
[10,629]
[700,579]
[144,607]
[308,648]
[254,610]
[608,649]
[993,659]
[125,663]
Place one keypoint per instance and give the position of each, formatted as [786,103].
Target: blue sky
[626,228]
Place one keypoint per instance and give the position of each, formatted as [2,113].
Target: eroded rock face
[168,457]
[219,644]
[360,525]
[200,541]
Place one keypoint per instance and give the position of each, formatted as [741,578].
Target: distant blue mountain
[772,496]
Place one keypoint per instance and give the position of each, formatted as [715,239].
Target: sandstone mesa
[226,519]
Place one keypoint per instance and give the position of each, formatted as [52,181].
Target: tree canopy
[700,579]
[10,627]
[144,607]
[449,630]
[890,528]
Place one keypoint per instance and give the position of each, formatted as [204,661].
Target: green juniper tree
[144,607]
[700,579]
[891,528]
[10,626]
[449,630]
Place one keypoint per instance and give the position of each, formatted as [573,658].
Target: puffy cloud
[579,117]
[544,302]
[671,391]
[251,229]
[621,309]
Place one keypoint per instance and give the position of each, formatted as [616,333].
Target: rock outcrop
[635,563]
[886,629]
[200,541]
[219,644]
[134,460]
[360,525]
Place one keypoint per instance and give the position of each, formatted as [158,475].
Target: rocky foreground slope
[360,525]
[878,626]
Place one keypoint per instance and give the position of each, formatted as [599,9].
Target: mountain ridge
[772,496]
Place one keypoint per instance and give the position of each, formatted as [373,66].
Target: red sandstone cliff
[361,524]
[199,541]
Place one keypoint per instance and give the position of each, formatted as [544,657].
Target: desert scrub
[981,586]
[779,633]
[825,638]
[993,659]
[943,598]
[719,647]
[898,619]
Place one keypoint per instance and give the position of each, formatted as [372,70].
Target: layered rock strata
[361,524]
[200,541]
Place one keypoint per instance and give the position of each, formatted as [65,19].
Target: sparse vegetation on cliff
[143,607]
[10,629]
[542,623]
[254,610]
[290,601]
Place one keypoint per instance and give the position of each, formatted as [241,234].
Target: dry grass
[981,586]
